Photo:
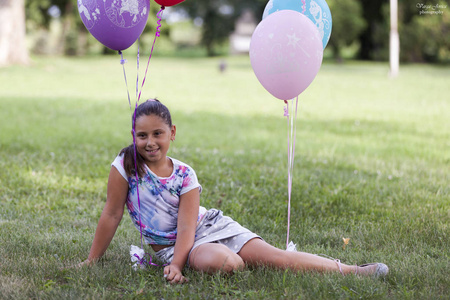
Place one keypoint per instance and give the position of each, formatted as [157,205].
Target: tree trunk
[13,48]
[394,40]
[372,14]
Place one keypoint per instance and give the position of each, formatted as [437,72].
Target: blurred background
[200,28]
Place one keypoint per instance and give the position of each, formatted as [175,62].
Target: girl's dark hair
[149,107]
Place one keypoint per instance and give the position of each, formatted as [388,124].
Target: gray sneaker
[381,271]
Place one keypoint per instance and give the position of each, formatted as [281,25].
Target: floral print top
[159,200]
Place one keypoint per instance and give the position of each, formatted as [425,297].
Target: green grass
[372,164]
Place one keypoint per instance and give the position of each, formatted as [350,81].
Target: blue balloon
[316,10]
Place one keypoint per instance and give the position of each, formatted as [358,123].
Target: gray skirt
[214,228]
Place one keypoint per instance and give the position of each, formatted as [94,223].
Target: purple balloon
[117,24]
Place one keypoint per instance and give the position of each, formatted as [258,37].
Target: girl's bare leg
[212,257]
[257,252]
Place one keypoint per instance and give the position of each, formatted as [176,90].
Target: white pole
[394,41]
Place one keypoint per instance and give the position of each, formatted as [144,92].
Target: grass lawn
[372,164]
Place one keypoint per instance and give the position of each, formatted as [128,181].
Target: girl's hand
[172,273]
[87,262]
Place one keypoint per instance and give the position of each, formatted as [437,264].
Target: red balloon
[168,2]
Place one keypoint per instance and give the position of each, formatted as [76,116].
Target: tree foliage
[424,35]
[37,11]
[423,27]
[425,31]
[219,17]
[373,16]
[347,24]
[39,16]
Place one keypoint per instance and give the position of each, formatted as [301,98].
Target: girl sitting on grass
[168,212]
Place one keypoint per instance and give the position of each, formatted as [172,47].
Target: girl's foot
[374,269]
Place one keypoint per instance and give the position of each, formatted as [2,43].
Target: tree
[372,13]
[219,17]
[347,24]
[423,28]
[424,31]
[38,16]
[13,48]
[394,40]
[36,12]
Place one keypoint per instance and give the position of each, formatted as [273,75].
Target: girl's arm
[111,215]
[186,225]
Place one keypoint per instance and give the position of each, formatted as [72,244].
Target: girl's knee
[232,263]
[257,252]
[212,258]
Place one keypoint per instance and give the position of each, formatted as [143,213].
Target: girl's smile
[153,137]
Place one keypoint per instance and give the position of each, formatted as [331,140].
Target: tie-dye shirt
[159,200]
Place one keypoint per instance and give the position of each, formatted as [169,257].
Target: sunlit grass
[372,164]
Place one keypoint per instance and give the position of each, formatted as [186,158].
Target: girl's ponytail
[128,162]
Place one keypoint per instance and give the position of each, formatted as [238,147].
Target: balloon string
[286,114]
[136,173]
[303,6]
[137,65]
[292,132]
[159,16]
[157,34]
[123,62]
[138,96]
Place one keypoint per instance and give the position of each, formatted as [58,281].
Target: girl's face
[153,137]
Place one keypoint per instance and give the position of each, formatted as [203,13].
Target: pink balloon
[286,53]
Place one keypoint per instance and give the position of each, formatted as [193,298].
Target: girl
[168,212]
